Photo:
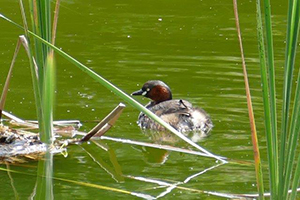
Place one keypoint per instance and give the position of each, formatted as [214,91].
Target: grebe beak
[139,92]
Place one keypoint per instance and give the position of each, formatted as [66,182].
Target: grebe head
[156,90]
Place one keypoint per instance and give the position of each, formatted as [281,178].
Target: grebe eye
[146,91]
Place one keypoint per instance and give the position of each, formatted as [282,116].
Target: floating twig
[101,128]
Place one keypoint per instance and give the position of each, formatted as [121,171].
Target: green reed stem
[271,75]
[48,100]
[264,80]
[268,88]
[120,93]
[40,12]
[44,87]
[45,167]
[296,181]
[38,48]
[44,184]
[288,153]
[125,97]
[33,66]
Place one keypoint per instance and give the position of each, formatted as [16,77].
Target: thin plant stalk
[33,68]
[280,169]
[271,84]
[292,146]
[119,92]
[296,180]
[41,20]
[37,49]
[287,153]
[271,77]
[268,90]
[6,85]
[55,22]
[44,184]
[258,168]
[125,97]
[287,86]
[48,100]
[43,79]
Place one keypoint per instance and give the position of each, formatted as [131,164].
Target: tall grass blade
[38,49]
[273,148]
[125,97]
[23,17]
[268,90]
[55,21]
[44,182]
[48,100]
[41,20]
[44,89]
[296,180]
[271,79]
[287,153]
[119,92]
[9,75]
[258,168]
[33,67]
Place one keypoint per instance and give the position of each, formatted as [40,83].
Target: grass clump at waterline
[283,162]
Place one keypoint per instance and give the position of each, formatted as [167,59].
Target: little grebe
[178,113]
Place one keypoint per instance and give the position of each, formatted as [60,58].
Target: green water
[192,46]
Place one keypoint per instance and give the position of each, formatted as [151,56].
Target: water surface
[190,45]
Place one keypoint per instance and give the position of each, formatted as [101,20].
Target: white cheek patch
[145,92]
